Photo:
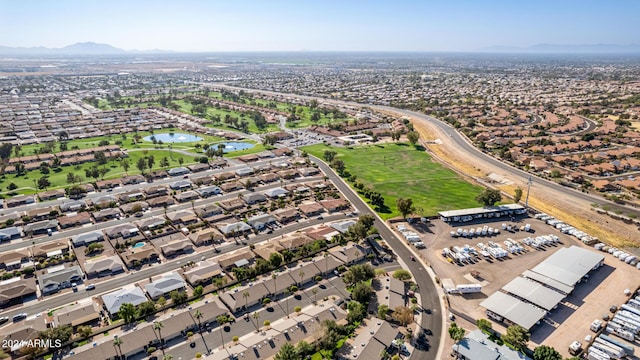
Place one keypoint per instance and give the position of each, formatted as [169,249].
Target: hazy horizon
[330,26]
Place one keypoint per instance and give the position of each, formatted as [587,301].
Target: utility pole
[529,182]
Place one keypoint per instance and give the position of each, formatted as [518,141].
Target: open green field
[399,170]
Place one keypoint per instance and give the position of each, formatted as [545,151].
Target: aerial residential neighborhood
[270,181]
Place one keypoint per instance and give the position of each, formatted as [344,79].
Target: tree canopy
[489,197]
[405,206]
[517,336]
[544,352]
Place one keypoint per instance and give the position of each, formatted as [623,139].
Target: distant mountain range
[567,49]
[83,48]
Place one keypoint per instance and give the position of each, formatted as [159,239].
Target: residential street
[426,285]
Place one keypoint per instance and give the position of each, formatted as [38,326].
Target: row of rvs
[619,254]
[479,231]
[625,324]
[411,237]
[540,242]
[567,229]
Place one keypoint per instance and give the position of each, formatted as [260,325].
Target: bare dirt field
[569,322]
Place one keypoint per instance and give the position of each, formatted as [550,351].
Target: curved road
[427,287]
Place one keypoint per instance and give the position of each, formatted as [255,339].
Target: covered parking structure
[512,309]
[534,293]
[464,215]
[568,266]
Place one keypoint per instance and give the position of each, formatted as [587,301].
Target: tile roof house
[206,236]
[77,314]
[78,219]
[202,272]
[103,266]
[14,292]
[311,209]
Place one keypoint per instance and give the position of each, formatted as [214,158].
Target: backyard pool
[173,137]
[138,244]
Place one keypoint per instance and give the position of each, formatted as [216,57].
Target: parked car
[18,317]
[3,319]
[90,287]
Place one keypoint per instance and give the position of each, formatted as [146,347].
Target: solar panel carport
[514,310]
[534,293]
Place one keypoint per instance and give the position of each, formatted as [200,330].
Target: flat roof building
[514,310]
[534,293]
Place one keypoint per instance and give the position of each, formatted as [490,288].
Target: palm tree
[127,312]
[222,319]
[273,276]
[198,315]
[315,292]
[157,326]
[117,342]
[245,295]
[326,262]
[286,294]
[301,274]
[256,317]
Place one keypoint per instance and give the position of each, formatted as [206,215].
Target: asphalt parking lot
[569,322]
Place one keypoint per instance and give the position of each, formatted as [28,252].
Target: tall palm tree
[117,342]
[256,317]
[286,294]
[157,326]
[326,262]
[301,274]
[315,293]
[222,319]
[245,295]
[274,276]
[198,315]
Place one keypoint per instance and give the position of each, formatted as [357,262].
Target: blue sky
[333,25]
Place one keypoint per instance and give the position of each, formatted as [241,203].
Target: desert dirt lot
[569,322]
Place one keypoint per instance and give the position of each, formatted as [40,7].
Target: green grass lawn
[399,170]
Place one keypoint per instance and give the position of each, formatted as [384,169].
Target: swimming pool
[137,245]
[173,137]
[234,146]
